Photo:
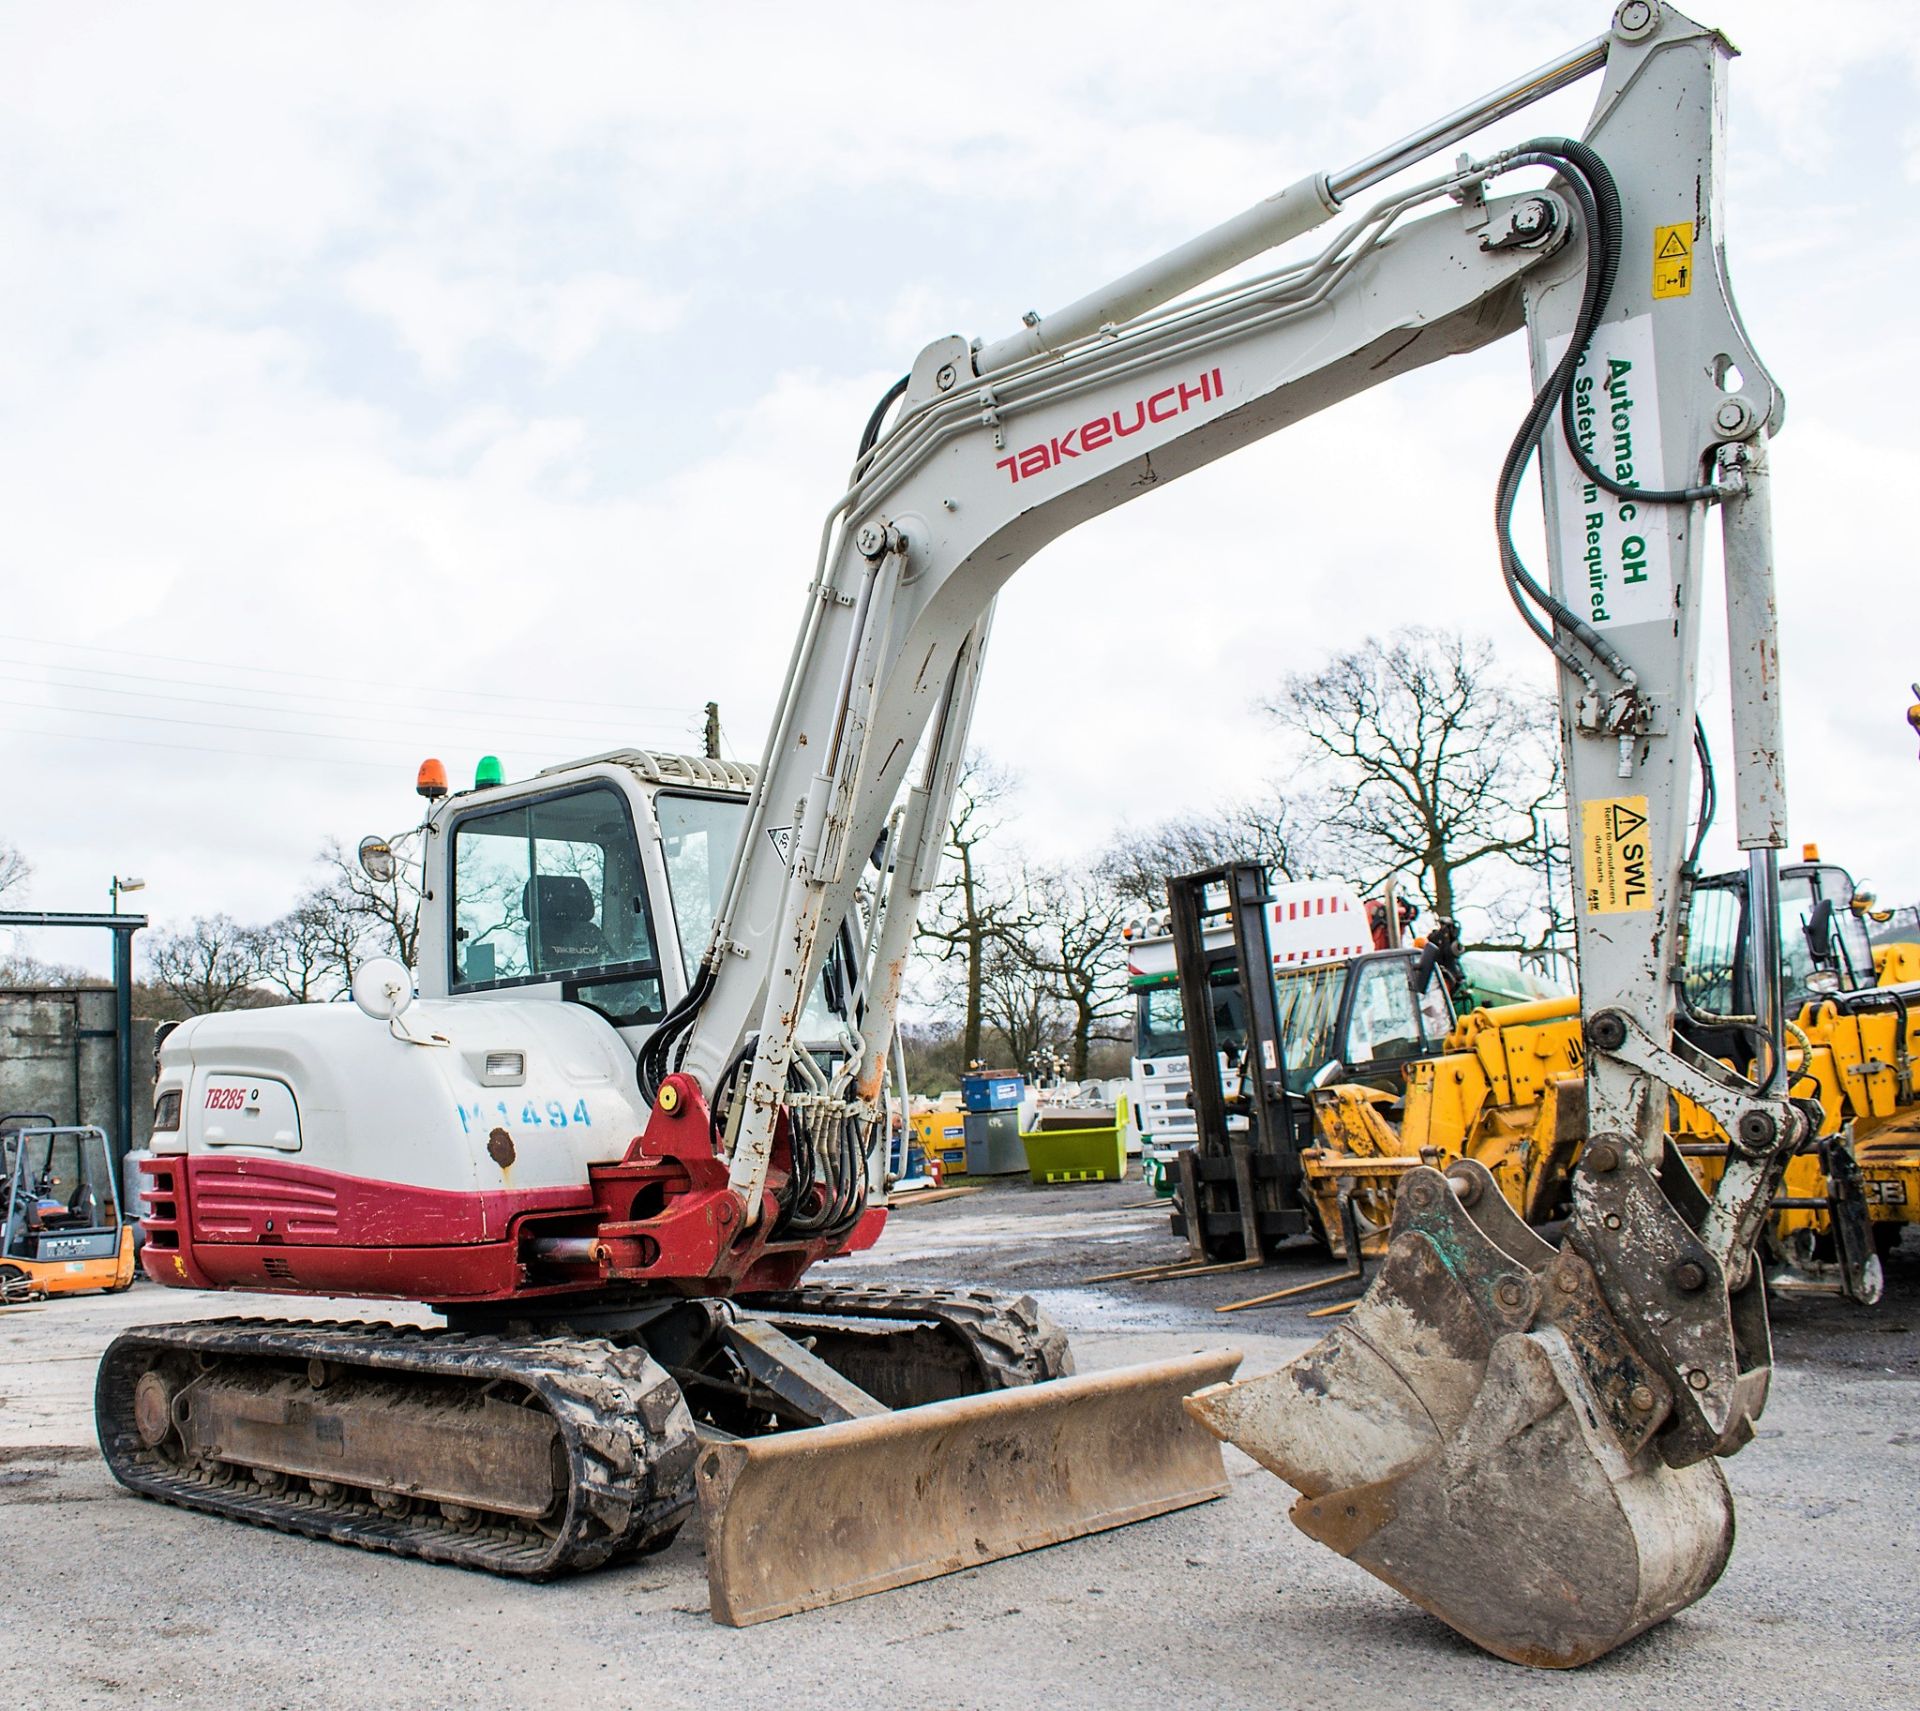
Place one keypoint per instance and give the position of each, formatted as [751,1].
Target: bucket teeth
[1462,1436]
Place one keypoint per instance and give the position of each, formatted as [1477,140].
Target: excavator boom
[1577,1395]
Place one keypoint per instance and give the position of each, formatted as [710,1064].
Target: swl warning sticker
[1613,834]
[1616,554]
[1673,260]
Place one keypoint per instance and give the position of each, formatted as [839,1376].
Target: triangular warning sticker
[1674,247]
[1623,821]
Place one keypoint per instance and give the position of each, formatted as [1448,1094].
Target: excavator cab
[1825,948]
[597,885]
[63,1231]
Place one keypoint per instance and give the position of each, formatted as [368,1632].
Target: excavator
[640,1091]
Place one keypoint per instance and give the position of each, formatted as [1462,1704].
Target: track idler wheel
[1478,1434]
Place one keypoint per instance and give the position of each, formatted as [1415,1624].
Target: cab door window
[1436,1012]
[1383,1021]
[1388,1021]
[1713,949]
[552,889]
[1308,1006]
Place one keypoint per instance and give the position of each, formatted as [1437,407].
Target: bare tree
[1020,1000]
[15,869]
[311,953]
[1275,829]
[308,953]
[1433,766]
[973,907]
[17,968]
[213,965]
[386,913]
[1074,945]
[1537,914]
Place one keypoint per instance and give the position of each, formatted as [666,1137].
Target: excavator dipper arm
[1518,1437]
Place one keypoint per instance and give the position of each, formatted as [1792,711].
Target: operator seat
[559,911]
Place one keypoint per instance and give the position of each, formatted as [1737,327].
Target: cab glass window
[1713,948]
[1309,1010]
[1796,955]
[1436,1012]
[1849,944]
[1384,1022]
[1229,1011]
[698,837]
[56,1185]
[552,889]
[1160,1023]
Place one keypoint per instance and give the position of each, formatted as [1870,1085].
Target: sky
[405,379]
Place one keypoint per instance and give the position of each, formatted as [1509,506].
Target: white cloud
[441,316]
[513,354]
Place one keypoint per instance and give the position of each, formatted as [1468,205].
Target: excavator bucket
[806,1518]
[1478,1435]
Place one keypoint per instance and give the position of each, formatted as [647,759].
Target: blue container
[991,1092]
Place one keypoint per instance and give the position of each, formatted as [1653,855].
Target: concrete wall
[56,1056]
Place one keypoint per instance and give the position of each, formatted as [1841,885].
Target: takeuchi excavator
[640,1092]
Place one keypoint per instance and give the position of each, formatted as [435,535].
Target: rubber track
[628,1437]
[1011,1338]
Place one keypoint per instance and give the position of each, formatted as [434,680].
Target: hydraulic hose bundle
[1592,186]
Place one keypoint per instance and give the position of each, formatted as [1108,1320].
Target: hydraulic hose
[1709,793]
[1592,186]
[1529,597]
[870,436]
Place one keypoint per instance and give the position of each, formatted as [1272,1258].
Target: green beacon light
[487,774]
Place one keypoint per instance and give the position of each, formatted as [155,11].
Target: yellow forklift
[64,1232]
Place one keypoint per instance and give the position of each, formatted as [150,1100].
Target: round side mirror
[377,860]
[382,988]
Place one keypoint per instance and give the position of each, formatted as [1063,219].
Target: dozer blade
[801,1519]
[1477,1434]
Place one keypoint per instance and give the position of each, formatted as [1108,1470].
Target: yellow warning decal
[1614,840]
[1673,260]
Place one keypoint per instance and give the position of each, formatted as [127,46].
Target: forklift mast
[1239,1189]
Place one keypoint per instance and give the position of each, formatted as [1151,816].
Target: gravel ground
[113,1601]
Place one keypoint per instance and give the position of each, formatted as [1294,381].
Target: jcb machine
[61,1228]
[639,1095]
[1505,1086]
[1854,1027]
